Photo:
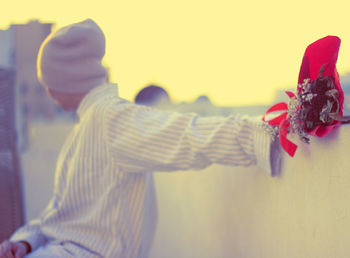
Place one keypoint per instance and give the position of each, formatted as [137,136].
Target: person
[152,95]
[103,203]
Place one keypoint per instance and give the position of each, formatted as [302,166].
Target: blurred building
[20,44]
[345,83]
[27,39]
[22,99]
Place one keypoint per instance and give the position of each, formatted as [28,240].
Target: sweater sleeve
[142,139]
[31,233]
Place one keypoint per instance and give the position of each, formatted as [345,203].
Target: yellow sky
[236,52]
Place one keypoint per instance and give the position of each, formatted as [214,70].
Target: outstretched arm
[142,139]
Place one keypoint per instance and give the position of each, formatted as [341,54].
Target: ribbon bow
[283,123]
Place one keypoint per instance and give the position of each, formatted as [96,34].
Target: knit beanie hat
[69,60]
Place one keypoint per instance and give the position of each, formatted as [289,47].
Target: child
[104,200]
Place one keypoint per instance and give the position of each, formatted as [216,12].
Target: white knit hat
[69,60]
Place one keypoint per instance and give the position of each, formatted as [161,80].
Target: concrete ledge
[242,212]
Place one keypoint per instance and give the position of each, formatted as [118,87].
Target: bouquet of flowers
[317,106]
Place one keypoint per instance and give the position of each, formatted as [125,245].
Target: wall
[234,211]
[243,212]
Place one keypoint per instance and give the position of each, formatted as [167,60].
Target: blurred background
[211,57]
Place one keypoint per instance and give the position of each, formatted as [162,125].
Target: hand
[13,249]
[275,158]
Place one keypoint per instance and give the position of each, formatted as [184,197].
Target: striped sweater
[104,199]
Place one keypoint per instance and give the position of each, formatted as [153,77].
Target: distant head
[203,99]
[69,62]
[152,95]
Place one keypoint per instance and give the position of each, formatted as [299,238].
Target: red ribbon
[322,52]
[283,123]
